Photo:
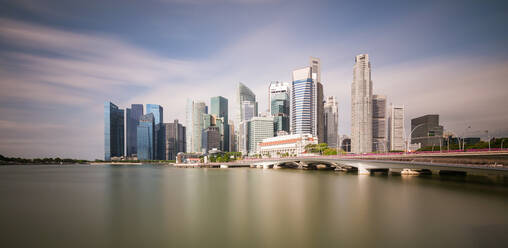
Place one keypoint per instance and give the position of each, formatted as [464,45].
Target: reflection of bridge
[463,162]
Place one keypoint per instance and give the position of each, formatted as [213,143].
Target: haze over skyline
[61,60]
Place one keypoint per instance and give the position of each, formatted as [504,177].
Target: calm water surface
[157,206]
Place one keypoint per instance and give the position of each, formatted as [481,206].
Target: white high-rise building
[379,123]
[194,121]
[396,128]
[331,112]
[361,106]
[259,128]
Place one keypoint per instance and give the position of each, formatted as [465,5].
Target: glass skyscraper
[113,131]
[279,105]
[194,125]
[145,137]
[331,111]
[219,108]
[133,115]
[159,141]
[303,114]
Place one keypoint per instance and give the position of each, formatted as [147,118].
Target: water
[157,206]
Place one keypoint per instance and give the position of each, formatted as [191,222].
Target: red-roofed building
[286,145]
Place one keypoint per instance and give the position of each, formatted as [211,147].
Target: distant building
[248,112]
[379,123]
[346,144]
[210,139]
[307,101]
[287,145]
[361,106]
[133,115]
[194,125]
[279,99]
[244,94]
[146,137]
[331,110]
[233,142]
[219,108]
[259,128]
[113,131]
[159,145]
[175,139]
[396,128]
[426,131]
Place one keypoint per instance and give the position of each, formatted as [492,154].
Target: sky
[61,60]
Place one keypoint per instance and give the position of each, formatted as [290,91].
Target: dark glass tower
[113,131]
[159,141]
[145,137]
[219,108]
[133,115]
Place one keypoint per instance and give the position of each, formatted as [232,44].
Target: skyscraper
[194,125]
[279,96]
[307,115]
[427,131]
[315,64]
[113,131]
[244,94]
[146,137]
[175,139]
[211,139]
[396,128]
[259,128]
[159,146]
[219,107]
[133,115]
[361,106]
[331,110]
[379,123]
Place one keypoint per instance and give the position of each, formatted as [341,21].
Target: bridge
[483,162]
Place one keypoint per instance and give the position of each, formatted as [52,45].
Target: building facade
[132,116]
[286,145]
[113,131]
[258,128]
[379,143]
[211,139]
[194,125]
[159,141]
[175,139]
[331,114]
[279,100]
[146,137]
[361,106]
[396,128]
[315,64]
[427,131]
[219,108]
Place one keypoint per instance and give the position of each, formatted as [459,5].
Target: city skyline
[60,95]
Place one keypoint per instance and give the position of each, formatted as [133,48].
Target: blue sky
[60,60]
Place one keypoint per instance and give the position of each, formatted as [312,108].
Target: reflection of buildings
[427,131]
[396,128]
[379,123]
[361,106]
[287,145]
[113,131]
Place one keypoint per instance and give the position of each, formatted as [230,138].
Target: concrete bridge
[449,163]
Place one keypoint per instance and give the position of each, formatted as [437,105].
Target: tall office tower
[315,64]
[303,111]
[194,125]
[175,139]
[379,123]
[113,131]
[331,109]
[219,107]
[159,146]
[233,143]
[426,131]
[210,139]
[259,128]
[248,111]
[244,94]
[146,137]
[133,115]
[396,128]
[361,106]
[279,96]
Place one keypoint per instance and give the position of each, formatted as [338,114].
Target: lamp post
[409,136]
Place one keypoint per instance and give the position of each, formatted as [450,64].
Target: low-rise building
[287,145]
